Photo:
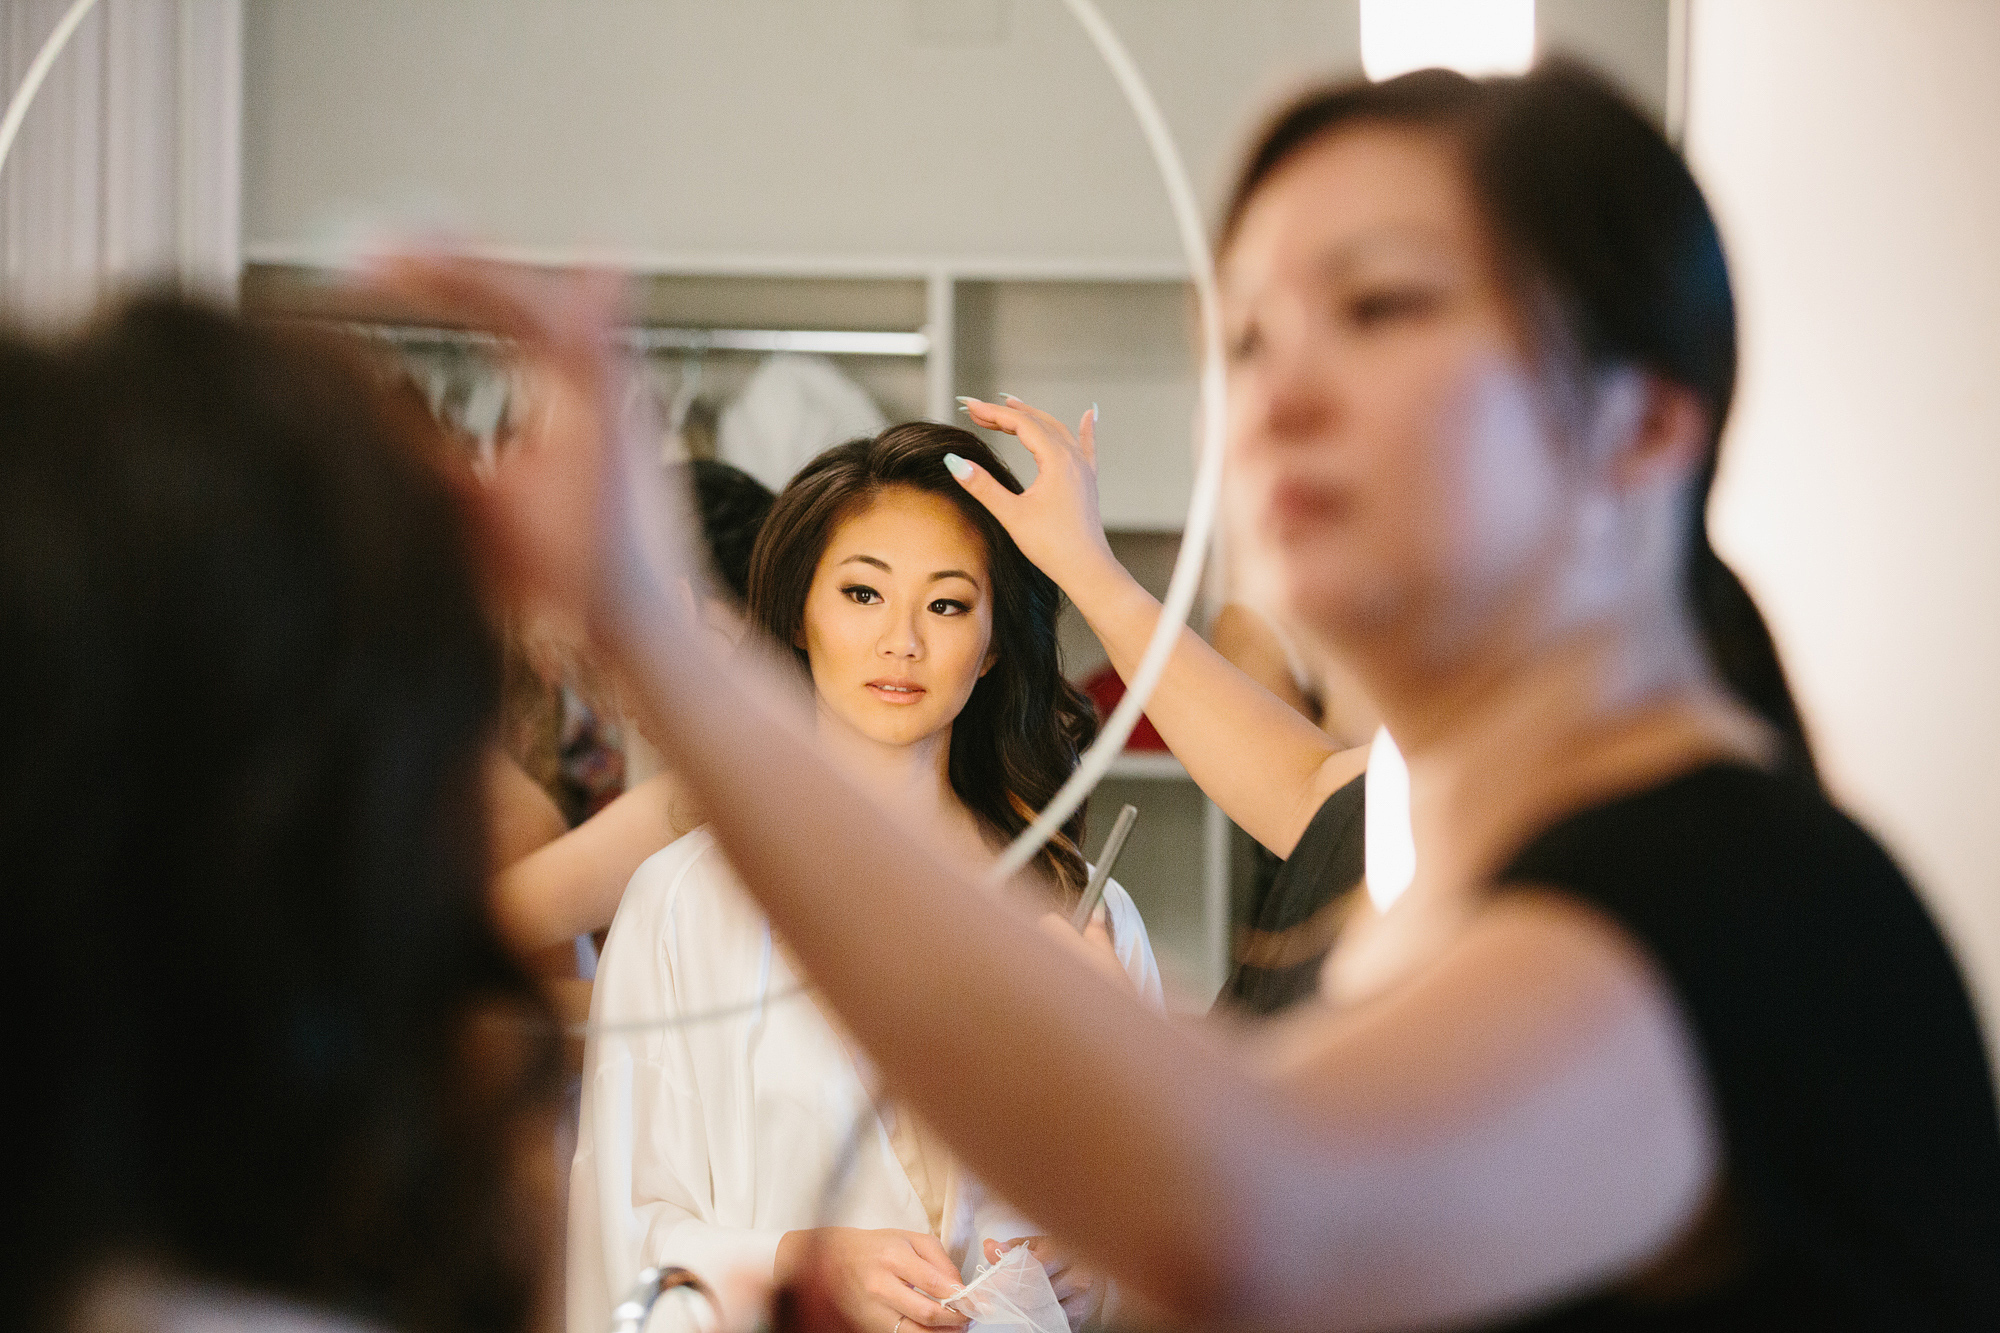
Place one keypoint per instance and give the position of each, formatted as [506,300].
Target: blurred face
[1393,467]
[899,619]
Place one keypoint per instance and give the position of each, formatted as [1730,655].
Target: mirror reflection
[559,687]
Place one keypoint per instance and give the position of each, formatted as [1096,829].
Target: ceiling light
[1471,36]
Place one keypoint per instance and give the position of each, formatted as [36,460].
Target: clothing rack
[661,338]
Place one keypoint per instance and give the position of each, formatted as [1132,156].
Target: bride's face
[899,618]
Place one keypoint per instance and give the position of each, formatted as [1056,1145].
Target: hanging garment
[792,408]
[702,1145]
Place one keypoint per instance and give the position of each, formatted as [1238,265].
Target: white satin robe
[702,1145]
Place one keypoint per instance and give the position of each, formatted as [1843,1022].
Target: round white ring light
[1200,523]
[31,83]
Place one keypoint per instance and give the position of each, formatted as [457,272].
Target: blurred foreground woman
[267,1062]
[1657,1038]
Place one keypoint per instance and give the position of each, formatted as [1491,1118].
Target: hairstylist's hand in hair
[1079,1290]
[1251,753]
[1055,521]
[875,1277]
[578,524]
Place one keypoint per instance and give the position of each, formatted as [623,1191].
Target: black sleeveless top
[1862,1150]
[1294,919]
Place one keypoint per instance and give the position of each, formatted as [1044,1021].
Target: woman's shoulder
[1835,1029]
[1805,961]
[688,885]
[1719,824]
[1130,939]
[687,861]
[1118,905]
[1729,872]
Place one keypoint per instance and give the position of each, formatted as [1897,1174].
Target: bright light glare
[1471,36]
[1389,844]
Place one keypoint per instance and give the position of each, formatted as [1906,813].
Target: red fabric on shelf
[1105,689]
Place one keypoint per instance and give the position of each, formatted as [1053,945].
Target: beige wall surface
[937,129]
[128,162]
[1852,151]
[942,131]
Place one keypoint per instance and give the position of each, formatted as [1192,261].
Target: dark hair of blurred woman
[261,1030]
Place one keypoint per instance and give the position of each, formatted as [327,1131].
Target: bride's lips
[896,691]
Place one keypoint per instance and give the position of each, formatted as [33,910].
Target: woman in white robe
[930,642]
[702,1145]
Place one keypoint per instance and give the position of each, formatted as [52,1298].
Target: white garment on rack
[702,1145]
[793,407]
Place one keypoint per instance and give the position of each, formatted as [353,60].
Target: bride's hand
[578,520]
[1078,1289]
[1055,521]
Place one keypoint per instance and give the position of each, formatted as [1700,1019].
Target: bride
[930,642]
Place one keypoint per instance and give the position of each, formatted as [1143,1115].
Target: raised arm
[570,886]
[1523,1117]
[1255,756]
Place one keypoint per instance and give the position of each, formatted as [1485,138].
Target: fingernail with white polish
[957,466]
[967,398]
[1094,414]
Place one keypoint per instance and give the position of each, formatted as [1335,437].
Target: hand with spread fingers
[1078,1289]
[884,1281]
[1055,521]
[1251,753]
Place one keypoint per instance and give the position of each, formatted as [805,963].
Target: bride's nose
[901,639]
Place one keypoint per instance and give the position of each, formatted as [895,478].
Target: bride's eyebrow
[882,565]
[943,574]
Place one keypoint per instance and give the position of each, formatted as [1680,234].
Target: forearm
[1250,752]
[1131,1156]
[572,886]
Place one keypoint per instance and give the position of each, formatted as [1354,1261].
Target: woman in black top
[1655,1039]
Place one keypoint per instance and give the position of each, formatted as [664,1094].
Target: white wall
[697,132]
[127,165]
[1852,150]
[845,129]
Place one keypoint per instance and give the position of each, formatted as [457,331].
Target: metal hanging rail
[656,338]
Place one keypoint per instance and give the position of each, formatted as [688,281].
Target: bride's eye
[861,593]
[946,606]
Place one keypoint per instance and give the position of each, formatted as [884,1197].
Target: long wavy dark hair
[244,839]
[1611,251]
[1020,733]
